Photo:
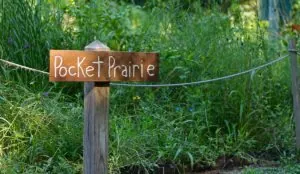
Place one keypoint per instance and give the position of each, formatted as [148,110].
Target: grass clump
[39,131]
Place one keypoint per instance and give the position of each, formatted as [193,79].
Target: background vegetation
[248,118]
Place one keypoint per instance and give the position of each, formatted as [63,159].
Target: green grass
[41,123]
[39,131]
[291,169]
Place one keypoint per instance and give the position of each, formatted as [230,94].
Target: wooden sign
[94,65]
[295,27]
[105,66]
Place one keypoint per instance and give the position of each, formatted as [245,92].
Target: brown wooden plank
[95,137]
[73,65]
[295,27]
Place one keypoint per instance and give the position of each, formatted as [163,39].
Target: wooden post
[96,107]
[273,21]
[263,9]
[295,89]
[97,66]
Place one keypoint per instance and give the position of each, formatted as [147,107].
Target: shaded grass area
[291,168]
[248,117]
[42,132]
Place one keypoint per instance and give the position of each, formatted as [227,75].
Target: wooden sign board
[104,66]
[296,27]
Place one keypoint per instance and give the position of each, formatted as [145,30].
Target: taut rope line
[165,85]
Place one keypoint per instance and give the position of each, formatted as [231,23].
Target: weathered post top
[96,46]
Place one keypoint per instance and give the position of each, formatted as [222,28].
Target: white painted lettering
[99,66]
[72,74]
[88,69]
[79,66]
[134,69]
[55,64]
[65,71]
[111,64]
[124,71]
[150,68]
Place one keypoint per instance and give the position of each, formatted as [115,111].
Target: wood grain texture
[74,65]
[295,90]
[95,138]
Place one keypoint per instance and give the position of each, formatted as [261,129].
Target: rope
[293,50]
[164,85]
[23,67]
[202,81]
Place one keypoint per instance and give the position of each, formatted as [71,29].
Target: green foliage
[41,122]
[28,30]
[40,132]
[291,169]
